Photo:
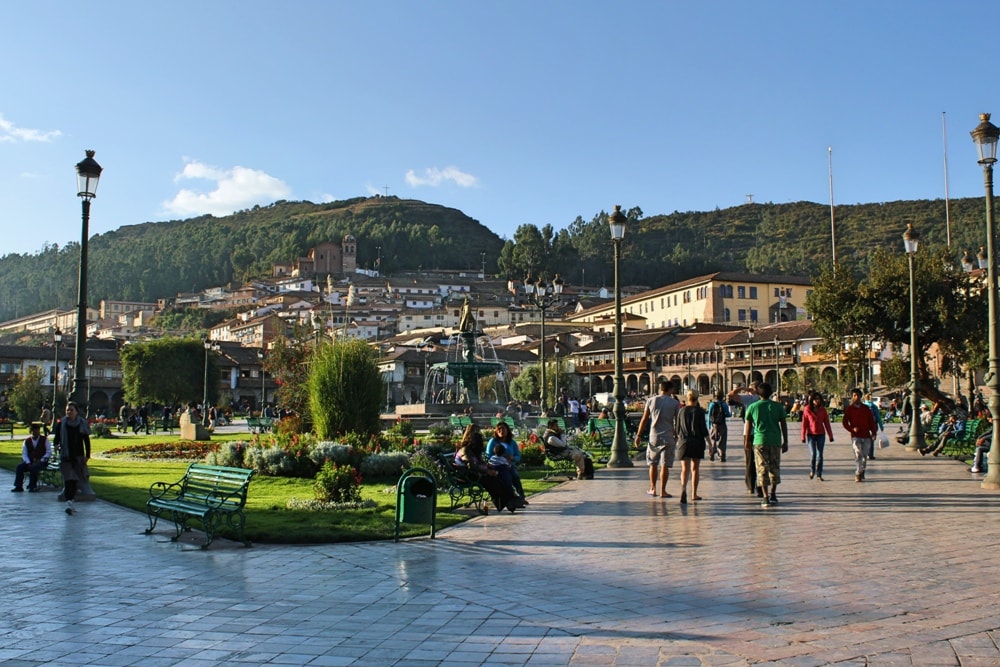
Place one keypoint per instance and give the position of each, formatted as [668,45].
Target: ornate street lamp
[88,173]
[911,241]
[619,447]
[263,390]
[543,297]
[986,135]
[750,335]
[777,370]
[718,378]
[555,351]
[56,340]
[209,346]
[687,378]
[90,374]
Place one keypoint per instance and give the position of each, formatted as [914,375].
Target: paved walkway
[903,569]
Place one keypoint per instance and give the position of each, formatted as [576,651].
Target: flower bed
[181,449]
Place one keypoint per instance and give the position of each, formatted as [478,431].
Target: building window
[777,292]
[741,292]
[753,315]
[753,292]
[742,315]
[725,315]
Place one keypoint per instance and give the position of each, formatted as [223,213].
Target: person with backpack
[718,432]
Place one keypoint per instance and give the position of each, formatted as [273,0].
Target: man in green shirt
[766,433]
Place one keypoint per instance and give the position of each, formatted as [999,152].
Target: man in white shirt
[35,455]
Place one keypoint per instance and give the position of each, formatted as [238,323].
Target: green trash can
[416,499]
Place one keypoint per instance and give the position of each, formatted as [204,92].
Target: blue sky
[514,112]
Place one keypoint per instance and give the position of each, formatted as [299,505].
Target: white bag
[883,440]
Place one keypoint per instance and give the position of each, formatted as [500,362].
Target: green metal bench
[165,425]
[260,424]
[214,495]
[964,445]
[51,474]
[7,427]
[459,422]
[461,483]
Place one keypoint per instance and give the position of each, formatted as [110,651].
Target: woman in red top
[815,428]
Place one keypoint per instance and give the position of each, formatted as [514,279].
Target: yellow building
[738,299]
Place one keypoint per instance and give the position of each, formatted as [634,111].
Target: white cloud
[11,133]
[433,176]
[235,189]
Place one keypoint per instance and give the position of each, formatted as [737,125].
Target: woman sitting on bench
[497,482]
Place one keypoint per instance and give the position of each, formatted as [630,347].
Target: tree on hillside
[169,371]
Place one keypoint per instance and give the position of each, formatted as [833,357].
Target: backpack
[716,413]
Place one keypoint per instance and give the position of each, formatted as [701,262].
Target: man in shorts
[659,414]
[765,433]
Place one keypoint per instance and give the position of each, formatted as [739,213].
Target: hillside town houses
[696,332]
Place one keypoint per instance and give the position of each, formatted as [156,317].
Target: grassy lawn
[269,520]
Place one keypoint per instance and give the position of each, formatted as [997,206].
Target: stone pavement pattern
[898,570]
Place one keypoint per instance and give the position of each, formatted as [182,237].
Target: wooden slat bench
[7,427]
[210,494]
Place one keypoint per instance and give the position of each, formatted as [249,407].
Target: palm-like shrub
[345,389]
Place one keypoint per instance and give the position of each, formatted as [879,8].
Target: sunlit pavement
[901,569]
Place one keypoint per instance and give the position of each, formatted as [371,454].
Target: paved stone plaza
[903,569]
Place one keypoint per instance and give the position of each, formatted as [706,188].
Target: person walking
[718,432]
[860,423]
[692,432]
[659,414]
[873,406]
[815,427]
[765,433]
[72,437]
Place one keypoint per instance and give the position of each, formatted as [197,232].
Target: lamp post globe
[619,448]
[88,173]
[985,136]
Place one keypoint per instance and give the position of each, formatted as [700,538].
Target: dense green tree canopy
[168,370]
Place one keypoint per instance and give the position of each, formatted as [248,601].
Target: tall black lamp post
[90,375]
[911,241]
[750,335]
[263,389]
[543,297]
[718,378]
[986,135]
[619,447]
[777,370]
[209,347]
[88,173]
[687,377]
[56,340]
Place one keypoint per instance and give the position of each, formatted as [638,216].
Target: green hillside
[152,260]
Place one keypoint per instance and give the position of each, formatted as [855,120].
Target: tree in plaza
[525,387]
[287,361]
[27,397]
[345,389]
[950,310]
[168,370]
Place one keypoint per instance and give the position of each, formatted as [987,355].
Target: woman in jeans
[815,428]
